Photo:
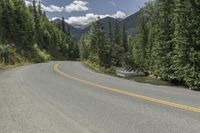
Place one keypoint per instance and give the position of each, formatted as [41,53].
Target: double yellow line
[163,102]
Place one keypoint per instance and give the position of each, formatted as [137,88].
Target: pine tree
[7,19]
[110,32]
[44,14]
[23,27]
[98,46]
[84,47]
[181,41]
[168,42]
[1,28]
[93,38]
[63,25]
[117,34]
[68,31]
[196,38]
[34,7]
[163,47]
[125,39]
[117,48]
[190,33]
[37,22]
[39,8]
[104,48]
[140,46]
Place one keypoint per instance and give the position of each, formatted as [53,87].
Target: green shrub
[8,54]
[96,67]
[40,55]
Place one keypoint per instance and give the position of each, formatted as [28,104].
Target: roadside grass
[141,79]
[10,58]
[150,80]
[41,55]
[95,67]
[5,67]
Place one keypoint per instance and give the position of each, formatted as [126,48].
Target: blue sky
[83,12]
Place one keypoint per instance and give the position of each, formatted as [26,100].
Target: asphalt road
[69,98]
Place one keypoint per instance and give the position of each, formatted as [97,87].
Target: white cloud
[76,6]
[29,2]
[112,3]
[52,8]
[81,21]
[119,14]
[54,18]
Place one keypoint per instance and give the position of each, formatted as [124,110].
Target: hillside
[75,32]
[130,25]
[26,35]
[131,22]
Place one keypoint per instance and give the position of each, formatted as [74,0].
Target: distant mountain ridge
[129,22]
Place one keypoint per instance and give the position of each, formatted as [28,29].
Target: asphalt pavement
[66,97]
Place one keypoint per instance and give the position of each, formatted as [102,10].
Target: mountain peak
[130,23]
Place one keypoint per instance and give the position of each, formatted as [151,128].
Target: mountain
[130,24]
[105,23]
[75,32]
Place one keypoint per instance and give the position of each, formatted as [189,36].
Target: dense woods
[104,48]
[26,34]
[167,43]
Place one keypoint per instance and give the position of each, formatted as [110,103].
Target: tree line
[167,43]
[26,34]
[106,49]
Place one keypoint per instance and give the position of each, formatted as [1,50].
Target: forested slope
[169,41]
[27,35]
[167,44]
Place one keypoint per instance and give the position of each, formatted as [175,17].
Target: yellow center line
[163,102]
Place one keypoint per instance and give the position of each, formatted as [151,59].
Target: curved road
[66,97]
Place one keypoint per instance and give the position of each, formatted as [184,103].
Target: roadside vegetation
[102,49]
[97,68]
[26,35]
[167,43]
